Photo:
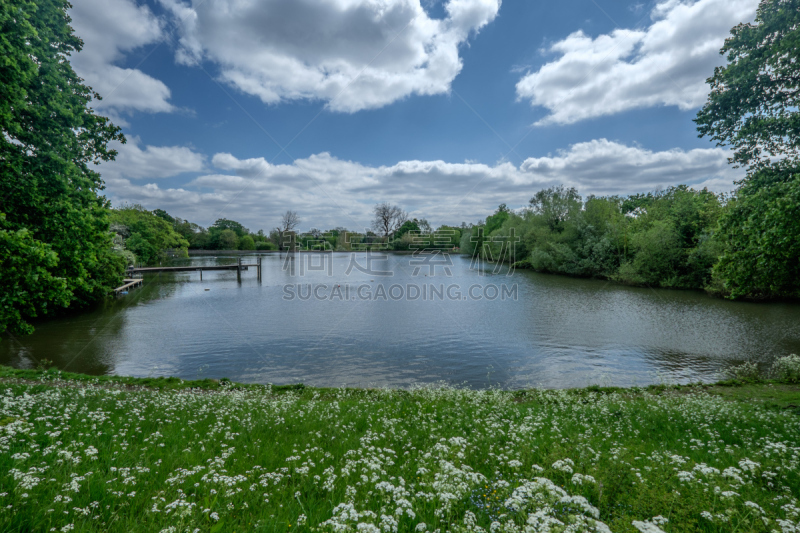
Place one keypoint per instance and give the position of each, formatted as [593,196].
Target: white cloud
[606,167]
[329,192]
[665,64]
[110,29]
[150,162]
[353,54]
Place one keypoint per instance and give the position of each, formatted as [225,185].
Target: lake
[402,320]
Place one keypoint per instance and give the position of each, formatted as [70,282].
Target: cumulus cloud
[150,162]
[606,167]
[352,54]
[329,192]
[110,29]
[665,64]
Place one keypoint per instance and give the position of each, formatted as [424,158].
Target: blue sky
[243,109]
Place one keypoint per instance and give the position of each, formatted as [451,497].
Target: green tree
[50,138]
[236,227]
[692,216]
[160,213]
[247,243]
[27,285]
[753,107]
[556,205]
[219,228]
[760,230]
[658,255]
[495,221]
[146,234]
[663,238]
[197,236]
[408,225]
[446,237]
[200,240]
[754,99]
[228,240]
[265,245]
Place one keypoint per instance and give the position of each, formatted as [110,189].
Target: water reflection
[556,332]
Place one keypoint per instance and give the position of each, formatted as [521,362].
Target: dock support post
[239,269]
[258,268]
[201,274]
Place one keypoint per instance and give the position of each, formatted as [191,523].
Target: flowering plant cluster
[105,457]
[787,369]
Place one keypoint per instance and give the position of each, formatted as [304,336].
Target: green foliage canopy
[50,195]
[27,285]
[227,240]
[247,243]
[761,232]
[222,224]
[753,106]
[146,234]
[661,239]
[754,99]
[408,226]
[556,205]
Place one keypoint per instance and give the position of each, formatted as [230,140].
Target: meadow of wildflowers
[96,455]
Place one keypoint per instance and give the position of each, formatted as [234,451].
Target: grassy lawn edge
[768,393]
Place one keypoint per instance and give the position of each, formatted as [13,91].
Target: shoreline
[756,388]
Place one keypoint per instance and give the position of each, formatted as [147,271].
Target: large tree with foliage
[222,224]
[753,107]
[760,229]
[48,192]
[556,205]
[27,285]
[754,98]
[148,234]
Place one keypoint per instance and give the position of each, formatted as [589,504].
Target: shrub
[148,236]
[787,369]
[627,273]
[744,372]
[246,243]
[266,246]
[760,229]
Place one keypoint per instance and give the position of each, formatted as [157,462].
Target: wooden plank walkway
[190,268]
[128,283]
[238,267]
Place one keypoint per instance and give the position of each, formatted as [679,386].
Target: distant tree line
[149,237]
[745,245]
[666,239]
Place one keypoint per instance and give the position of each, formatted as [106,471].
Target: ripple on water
[557,332]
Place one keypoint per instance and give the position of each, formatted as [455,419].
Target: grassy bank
[80,453]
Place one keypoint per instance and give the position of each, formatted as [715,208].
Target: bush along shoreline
[83,453]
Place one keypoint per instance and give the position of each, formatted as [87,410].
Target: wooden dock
[238,267]
[127,284]
[144,270]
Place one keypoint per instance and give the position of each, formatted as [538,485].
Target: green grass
[83,453]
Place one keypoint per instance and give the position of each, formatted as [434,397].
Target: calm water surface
[553,332]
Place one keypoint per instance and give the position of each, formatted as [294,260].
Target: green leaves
[147,234]
[761,232]
[556,205]
[753,104]
[47,189]
[26,284]
[661,239]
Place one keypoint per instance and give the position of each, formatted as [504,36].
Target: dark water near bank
[553,332]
